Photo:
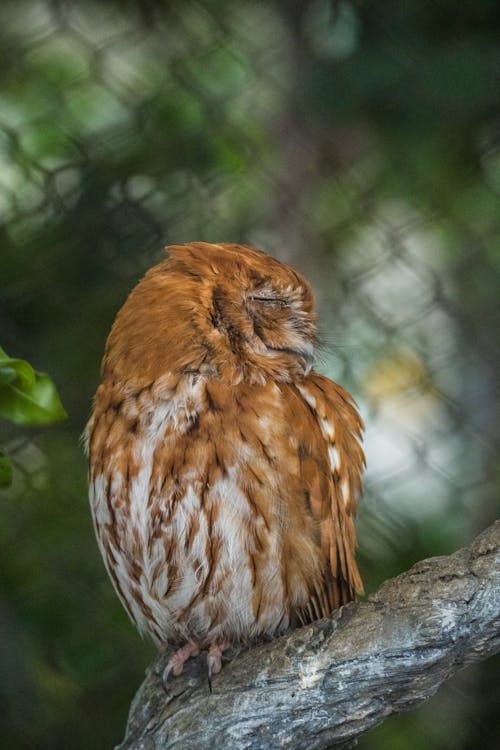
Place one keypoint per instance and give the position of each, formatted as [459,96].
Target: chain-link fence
[359,142]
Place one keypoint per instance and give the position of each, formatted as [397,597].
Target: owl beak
[307,354]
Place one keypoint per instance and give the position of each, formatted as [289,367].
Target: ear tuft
[176,251]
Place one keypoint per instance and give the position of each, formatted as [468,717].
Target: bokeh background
[359,141]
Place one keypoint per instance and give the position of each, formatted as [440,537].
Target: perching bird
[223,470]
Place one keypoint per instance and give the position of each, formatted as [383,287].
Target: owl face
[223,310]
[267,317]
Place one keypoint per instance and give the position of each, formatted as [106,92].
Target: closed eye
[270,300]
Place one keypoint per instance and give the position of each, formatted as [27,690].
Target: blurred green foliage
[358,140]
[26,397]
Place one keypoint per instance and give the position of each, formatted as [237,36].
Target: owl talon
[214,661]
[166,673]
[176,662]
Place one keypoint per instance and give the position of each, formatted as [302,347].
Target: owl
[224,470]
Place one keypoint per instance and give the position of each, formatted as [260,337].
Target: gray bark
[325,684]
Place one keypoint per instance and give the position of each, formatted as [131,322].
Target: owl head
[222,310]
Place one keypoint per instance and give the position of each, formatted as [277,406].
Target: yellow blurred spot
[54,685]
[396,373]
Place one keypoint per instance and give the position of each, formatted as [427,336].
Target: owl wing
[331,473]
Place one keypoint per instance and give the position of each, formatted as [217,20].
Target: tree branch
[325,684]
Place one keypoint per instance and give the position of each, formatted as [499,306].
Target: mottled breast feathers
[224,471]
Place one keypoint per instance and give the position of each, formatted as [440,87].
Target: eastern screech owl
[223,469]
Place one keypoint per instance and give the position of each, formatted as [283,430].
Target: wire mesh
[358,142]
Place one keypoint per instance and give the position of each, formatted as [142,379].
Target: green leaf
[27,396]
[5,470]
[22,368]
[7,374]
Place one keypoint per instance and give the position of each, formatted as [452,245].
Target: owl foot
[176,662]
